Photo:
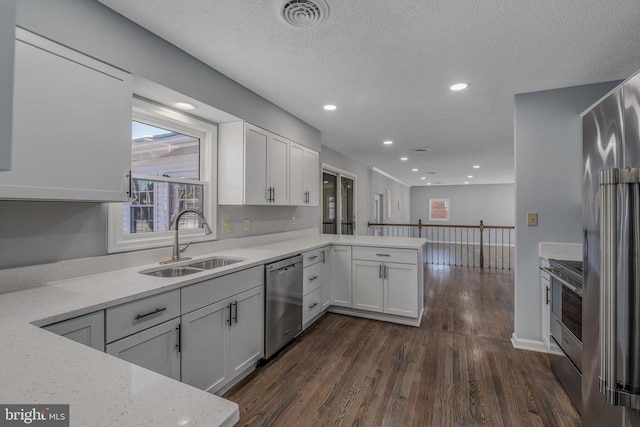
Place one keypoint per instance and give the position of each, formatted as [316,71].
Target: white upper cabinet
[303,172]
[71,137]
[253,166]
[258,167]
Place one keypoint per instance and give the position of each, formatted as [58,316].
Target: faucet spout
[175,257]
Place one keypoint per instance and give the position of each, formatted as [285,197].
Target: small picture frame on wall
[438,209]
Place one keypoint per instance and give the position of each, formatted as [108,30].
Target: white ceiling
[388,66]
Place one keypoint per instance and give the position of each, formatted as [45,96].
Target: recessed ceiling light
[184,106]
[469,176]
[329,107]
[404,158]
[459,86]
[414,170]
[466,182]
[423,177]
[388,142]
[476,166]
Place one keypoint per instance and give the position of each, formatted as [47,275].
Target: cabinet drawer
[311,278]
[312,257]
[406,256]
[311,306]
[213,290]
[127,319]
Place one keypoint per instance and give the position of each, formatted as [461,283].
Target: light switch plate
[532,219]
[245,225]
[293,220]
[227,226]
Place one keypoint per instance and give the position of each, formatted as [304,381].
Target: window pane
[155,204]
[161,152]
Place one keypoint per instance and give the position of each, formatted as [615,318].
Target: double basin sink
[194,267]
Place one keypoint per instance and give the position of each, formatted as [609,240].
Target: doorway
[338,201]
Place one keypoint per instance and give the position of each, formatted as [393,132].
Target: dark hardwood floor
[457,368]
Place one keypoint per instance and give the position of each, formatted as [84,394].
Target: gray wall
[400,198]
[548,165]
[468,204]
[38,232]
[340,161]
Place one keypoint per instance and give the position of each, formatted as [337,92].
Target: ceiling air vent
[420,150]
[304,13]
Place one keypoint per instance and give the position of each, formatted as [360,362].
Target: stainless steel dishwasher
[283,303]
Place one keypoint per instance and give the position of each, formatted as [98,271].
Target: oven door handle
[576,290]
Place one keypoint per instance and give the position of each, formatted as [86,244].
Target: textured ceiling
[388,66]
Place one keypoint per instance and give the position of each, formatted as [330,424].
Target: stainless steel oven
[566,325]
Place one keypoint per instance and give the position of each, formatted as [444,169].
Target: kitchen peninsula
[41,367]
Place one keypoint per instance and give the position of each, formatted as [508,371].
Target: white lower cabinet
[316,284]
[368,293]
[341,276]
[385,287]
[156,348]
[205,333]
[87,329]
[222,329]
[400,290]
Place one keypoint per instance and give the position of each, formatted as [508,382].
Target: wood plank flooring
[457,369]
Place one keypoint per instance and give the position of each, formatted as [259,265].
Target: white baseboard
[531,345]
[377,316]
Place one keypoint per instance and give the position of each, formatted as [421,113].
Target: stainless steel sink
[194,267]
[172,272]
[216,262]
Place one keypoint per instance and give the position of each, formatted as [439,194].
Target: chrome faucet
[177,250]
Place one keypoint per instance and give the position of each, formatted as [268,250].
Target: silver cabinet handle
[383,255]
[311,279]
[229,308]
[313,305]
[323,260]
[235,305]
[313,257]
[151,313]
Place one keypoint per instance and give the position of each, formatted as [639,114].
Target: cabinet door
[278,160]
[311,177]
[256,180]
[297,196]
[204,346]
[341,276]
[71,126]
[87,330]
[325,278]
[155,349]
[367,285]
[246,339]
[401,289]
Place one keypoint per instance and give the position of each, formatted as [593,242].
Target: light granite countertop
[39,367]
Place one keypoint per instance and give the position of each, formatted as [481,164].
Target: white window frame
[207,132]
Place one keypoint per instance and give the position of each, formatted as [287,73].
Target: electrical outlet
[293,220]
[245,225]
[227,226]
[532,219]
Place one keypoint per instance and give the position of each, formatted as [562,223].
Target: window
[172,169]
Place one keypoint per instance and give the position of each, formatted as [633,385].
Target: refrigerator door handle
[609,179]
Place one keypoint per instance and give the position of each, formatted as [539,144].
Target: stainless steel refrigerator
[611,263]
